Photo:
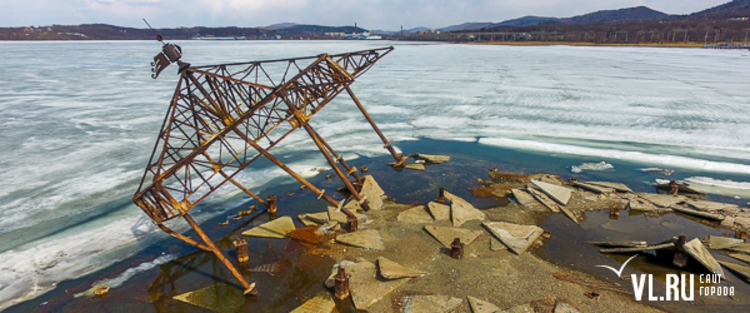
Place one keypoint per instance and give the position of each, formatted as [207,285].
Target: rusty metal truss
[224,117]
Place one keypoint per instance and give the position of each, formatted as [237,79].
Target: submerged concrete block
[217,298]
[462,211]
[320,304]
[698,251]
[365,288]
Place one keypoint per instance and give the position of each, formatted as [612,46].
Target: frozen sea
[78,121]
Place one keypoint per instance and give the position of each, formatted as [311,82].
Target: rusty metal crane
[223,117]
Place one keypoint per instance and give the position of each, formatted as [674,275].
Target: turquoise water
[78,121]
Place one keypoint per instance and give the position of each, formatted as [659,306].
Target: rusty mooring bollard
[271,200]
[680,257]
[241,245]
[457,249]
[441,196]
[342,284]
[352,224]
[614,213]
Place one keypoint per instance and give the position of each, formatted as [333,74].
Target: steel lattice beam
[224,117]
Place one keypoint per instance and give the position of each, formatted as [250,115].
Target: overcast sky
[370,14]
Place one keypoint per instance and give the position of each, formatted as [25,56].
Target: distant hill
[734,9]
[315,30]
[635,14]
[279,26]
[466,26]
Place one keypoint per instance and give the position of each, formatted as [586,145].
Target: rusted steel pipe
[396,156]
[338,157]
[296,176]
[249,289]
[342,284]
[335,167]
[183,237]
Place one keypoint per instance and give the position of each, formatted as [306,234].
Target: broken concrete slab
[366,239]
[313,219]
[372,192]
[686,210]
[616,186]
[741,270]
[392,270]
[744,248]
[365,288]
[440,212]
[642,205]
[718,242]
[496,245]
[594,188]
[217,298]
[712,207]
[662,200]
[320,304]
[415,215]
[558,193]
[277,228]
[544,200]
[740,256]
[436,159]
[414,166]
[445,235]
[516,237]
[698,251]
[480,306]
[562,307]
[335,214]
[523,198]
[462,211]
[431,304]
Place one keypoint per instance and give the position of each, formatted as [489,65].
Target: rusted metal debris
[441,196]
[271,200]
[457,249]
[224,117]
[101,291]
[342,284]
[241,245]
[593,295]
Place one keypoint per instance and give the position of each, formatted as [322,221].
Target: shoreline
[592,44]
[192,269]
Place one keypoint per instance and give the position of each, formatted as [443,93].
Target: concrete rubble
[320,304]
[313,219]
[435,159]
[739,269]
[516,237]
[415,215]
[698,251]
[560,194]
[278,228]
[445,235]
[480,306]
[217,297]
[462,211]
[440,212]
[392,270]
[366,289]
[365,239]
[522,197]
[718,243]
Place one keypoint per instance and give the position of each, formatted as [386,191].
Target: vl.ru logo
[677,286]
